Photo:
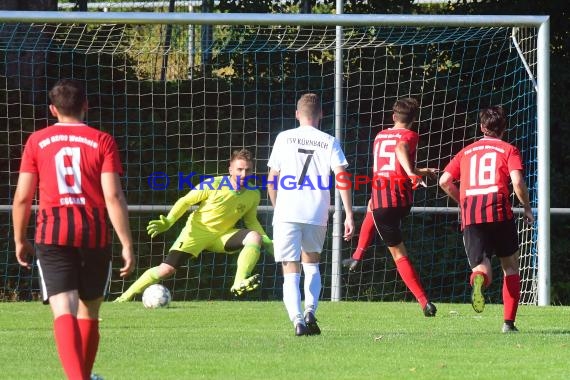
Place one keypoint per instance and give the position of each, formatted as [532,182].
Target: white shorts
[290,238]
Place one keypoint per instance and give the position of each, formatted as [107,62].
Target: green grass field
[254,340]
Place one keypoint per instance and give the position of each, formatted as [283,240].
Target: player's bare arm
[272,179]
[118,215]
[521,190]
[450,188]
[346,197]
[427,172]
[21,210]
[403,155]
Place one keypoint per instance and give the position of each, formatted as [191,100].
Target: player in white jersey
[299,186]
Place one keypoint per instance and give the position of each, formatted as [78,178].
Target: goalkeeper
[222,202]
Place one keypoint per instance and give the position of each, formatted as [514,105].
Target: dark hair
[309,105]
[68,96]
[406,110]
[493,121]
[243,154]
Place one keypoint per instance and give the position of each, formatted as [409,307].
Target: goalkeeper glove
[158,226]
[267,244]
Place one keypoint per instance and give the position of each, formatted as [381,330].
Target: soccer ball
[156,296]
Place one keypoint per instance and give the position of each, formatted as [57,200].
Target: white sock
[312,286]
[292,295]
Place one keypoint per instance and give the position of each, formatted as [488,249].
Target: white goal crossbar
[541,23]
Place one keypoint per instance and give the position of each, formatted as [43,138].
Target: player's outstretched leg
[412,281]
[477,292]
[247,259]
[367,232]
[149,277]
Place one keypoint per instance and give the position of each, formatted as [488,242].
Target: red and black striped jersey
[483,169]
[391,185]
[69,159]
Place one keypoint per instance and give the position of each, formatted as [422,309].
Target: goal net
[178,98]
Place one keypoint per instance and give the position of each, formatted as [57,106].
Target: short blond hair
[242,154]
[309,105]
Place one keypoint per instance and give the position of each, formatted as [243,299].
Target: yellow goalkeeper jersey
[220,206]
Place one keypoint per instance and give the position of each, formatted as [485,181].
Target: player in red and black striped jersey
[484,170]
[394,177]
[70,157]
[393,148]
[77,170]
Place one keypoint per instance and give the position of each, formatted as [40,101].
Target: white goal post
[340,21]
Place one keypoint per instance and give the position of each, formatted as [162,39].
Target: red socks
[68,343]
[411,279]
[89,330]
[511,296]
[77,341]
[367,232]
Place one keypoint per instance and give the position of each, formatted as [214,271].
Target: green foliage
[271,6]
[255,340]
[382,7]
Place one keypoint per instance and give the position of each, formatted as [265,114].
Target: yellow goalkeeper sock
[149,277]
[246,261]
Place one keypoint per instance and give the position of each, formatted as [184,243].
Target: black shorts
[87,270]
[388,221]
[488,239]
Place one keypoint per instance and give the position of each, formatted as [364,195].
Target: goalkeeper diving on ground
[212,226]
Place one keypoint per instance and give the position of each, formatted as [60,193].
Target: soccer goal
[180,91]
